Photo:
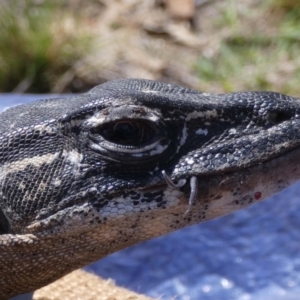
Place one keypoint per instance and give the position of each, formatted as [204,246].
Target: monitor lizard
[130,160]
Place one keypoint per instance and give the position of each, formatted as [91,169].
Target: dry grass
[225,46]
[39,42]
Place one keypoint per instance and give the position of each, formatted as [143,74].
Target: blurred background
[69,46]
[63,46]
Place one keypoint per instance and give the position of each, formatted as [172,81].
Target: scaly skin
[83,177]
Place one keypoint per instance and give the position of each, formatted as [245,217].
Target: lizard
[132,159]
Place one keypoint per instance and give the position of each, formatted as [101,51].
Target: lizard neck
[30,261]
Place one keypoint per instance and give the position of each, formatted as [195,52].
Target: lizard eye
[127,132]
[140,138]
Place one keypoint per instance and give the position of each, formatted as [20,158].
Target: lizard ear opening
[4,224]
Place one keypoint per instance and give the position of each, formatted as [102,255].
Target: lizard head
[134,159]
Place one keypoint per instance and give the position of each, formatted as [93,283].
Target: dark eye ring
[130,140]
[126,132]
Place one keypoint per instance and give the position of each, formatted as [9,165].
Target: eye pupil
[127,132]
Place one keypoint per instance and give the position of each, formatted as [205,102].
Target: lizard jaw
[206,198]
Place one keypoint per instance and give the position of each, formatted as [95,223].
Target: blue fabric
[253,254]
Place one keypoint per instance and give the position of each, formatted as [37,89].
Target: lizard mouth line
[192,180]
[255,169]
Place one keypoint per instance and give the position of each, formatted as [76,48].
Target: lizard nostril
[277,117]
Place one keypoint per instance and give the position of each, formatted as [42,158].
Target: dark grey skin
[130,160]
